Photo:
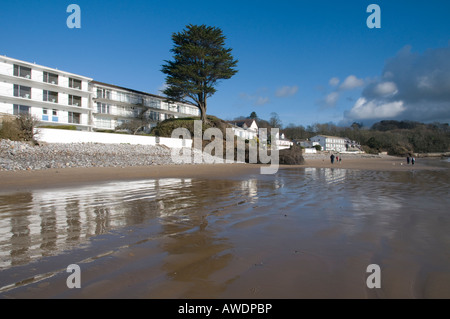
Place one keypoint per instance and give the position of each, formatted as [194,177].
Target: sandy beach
[225,231]
[13,181]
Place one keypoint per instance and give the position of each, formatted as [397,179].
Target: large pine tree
[200,60]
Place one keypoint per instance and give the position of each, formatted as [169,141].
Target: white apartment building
[61,98]
[53,96]
[330,143]
[114,105]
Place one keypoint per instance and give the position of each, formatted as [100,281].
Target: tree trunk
[202,108]
[203,116]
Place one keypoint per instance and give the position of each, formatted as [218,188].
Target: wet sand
[68,177]
[40,179]
[228,232]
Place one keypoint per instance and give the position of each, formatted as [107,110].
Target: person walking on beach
[337,159]
[340,159]
[332,158]
[407,159]
[413,160]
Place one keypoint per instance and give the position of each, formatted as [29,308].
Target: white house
[57,97]
[246,129]
[283,143]
[330,143]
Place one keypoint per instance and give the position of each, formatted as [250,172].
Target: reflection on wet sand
[44,222]
[48,223]
[304,232]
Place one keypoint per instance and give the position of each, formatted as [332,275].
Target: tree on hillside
[356,125]
[200,60]
[274,120]
[296,132]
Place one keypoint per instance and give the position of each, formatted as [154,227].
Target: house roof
[241,123]
[328,136]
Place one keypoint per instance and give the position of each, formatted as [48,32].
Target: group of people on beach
[337,158]
[411,159]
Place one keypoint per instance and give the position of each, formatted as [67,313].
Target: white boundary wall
[49,135]
[310,151]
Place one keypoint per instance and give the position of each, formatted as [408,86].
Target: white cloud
[286,91]
[256,99]
[334,81]
[262,100]
[244,96]
[373,109]
[351,82]
[332,98]
[386,88]
[413,86]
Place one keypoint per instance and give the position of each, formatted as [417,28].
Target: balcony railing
[39,96]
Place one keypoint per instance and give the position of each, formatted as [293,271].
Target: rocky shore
[25,156]
[326,155]
[19,156]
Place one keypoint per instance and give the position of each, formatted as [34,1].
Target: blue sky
[309,61]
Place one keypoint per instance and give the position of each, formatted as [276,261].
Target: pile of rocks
[25,156]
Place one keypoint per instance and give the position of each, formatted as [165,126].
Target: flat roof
[38,66]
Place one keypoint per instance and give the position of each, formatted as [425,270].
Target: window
[121,122]
[74,118]
[45,114]
[55,116]
[75,84]
[153,103]
[103,94]
[22,71]
[154,116]
[103,123]
[138,111]
[50,78]
[22,91]
[49,96]
[133,99]
[20,109]
[103,108]
[123,111]
[75,100]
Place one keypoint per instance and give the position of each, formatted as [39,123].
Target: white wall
[175,142]
[37,75]
[6,108]
[6,68]
[310,151]
[68,136]
[6,89]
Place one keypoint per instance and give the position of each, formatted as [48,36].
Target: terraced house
[57,97]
